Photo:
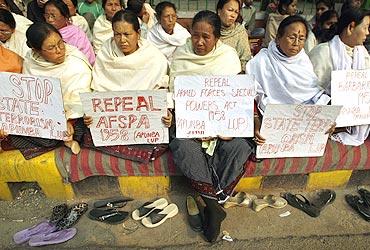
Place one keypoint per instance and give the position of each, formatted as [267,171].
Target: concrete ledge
[330,179]
[144,187]
[249,183]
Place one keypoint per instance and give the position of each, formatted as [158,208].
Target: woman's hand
[70,131]
[88,120]
[167,120]
[145,17]
[3,134]
[224,138]
[331,130]
[257,136]
[206,138]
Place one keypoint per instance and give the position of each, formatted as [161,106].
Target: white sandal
[159,216]
[148,207]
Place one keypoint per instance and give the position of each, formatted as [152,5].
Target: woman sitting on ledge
[214,165]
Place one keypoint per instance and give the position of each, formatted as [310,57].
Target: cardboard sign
[32,106]
[351,88]
[127,117]
[214,105]
[296,130]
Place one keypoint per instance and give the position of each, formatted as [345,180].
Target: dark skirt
[213,176]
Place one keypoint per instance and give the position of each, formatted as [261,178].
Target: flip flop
[241,199]
[72,216]
[323,198]
[148,207]
[41,228]
[113,202]
[52,238]
[365,195]
[110,216]
[300,202]
[358,205]
[194,218]
[269,201]
[59,212]
[158,216]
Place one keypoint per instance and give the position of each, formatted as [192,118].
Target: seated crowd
[128,45]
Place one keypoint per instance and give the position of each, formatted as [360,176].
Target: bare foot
[74,146]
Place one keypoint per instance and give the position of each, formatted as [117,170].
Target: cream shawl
[167,43]
[102,31]
[74,74]
[222,60]
[145,69]
[343,60]
[22,23]
[81,22]
[284,80]
[17,43]
[272,25]
[151,12]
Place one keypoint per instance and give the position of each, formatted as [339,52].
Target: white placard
[127,117]
[32,106]
[296,130]
[214,105]
[351,88]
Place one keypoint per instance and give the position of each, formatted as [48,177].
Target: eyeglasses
[51,16]
[51,48]
[6,32]
[297,39]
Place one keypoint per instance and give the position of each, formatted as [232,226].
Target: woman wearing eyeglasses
[283,71]
[11,38]
[51,57]
[57,14]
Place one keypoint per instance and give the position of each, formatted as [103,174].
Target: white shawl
[284,80]
[17,43]
[81,22]
[22,23]
[102,31]
[167,43]
[145,69]
[341,61]
[151,12]
[74,74]
[222,60]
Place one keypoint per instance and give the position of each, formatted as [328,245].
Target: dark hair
[135,6]
[327,3]
[211,18]
[159,8]
[288,21]
[126,16]
[324,35]
[221,4]
[60,5]
[282,3]
[104,2]
[346,5]
[74,2]
[348,16]
[38,32]
[7,18]
[326,16]
[13,7]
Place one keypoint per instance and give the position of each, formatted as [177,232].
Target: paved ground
[338,227]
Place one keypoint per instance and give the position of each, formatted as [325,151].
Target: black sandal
[301,202]
[359,206]
[110,216]
[114,202]
[365,195]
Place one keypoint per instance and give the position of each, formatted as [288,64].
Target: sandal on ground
[113,202]
[59,212]
[365,195]
[52,238]
[323,198]
[359,206]
[241,199]
[73,216]
[194,218]
[148,207]
[26,234]
[269,201]
[300,202]
[110,216]
[158,216]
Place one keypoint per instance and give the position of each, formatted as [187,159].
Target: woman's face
[320,8]
[71,7]
[168,20]
[111,7]
[202,38]
[53,49]
[327,24]
[358,33]
[53,16]
[5,32]
[229,13]
[125,37]
[292,42]
[292,8]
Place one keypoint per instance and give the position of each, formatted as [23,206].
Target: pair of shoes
[269,201]
[194,217]
[313,208]
[213,217]
[43,234]
[241,199]
[106,210]
[361,204]
[72,216]
[153,214]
